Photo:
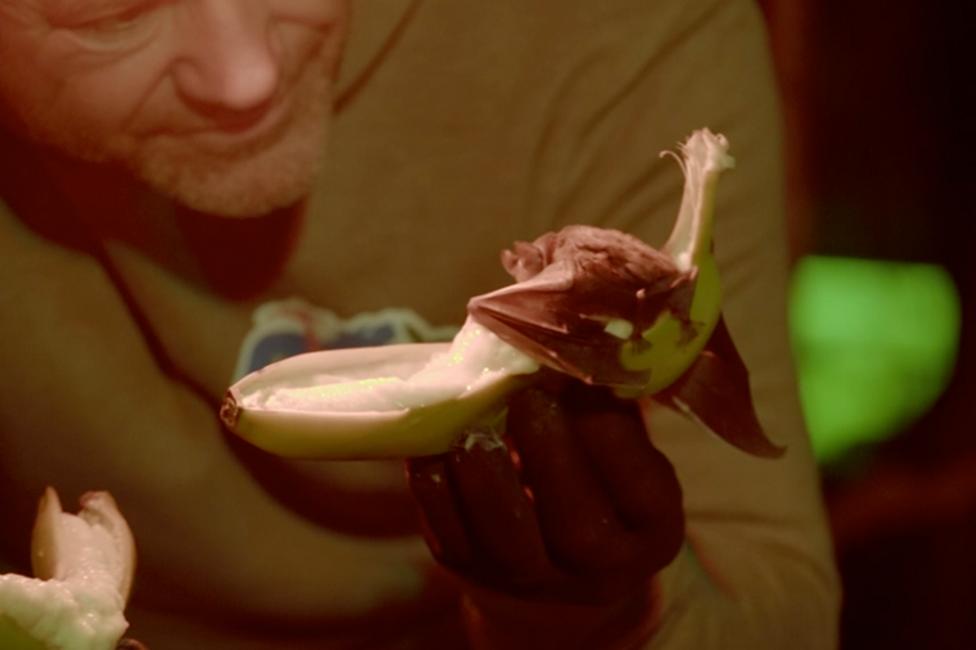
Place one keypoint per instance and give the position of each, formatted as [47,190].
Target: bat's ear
[715,391]
[524,261]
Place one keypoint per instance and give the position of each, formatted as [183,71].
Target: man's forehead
[28,7]
[17,9]
[53,4]
[15,5]
[61,7]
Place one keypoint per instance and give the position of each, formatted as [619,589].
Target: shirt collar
[375,25]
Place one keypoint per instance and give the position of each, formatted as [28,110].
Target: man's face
[223,105]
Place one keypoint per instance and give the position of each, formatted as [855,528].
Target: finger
[580,526]
[639,478]
[499,514]
[640,481]
[442,524]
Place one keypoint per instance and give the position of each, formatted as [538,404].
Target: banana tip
[230,411]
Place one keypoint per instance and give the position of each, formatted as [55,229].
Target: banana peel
[596,304]
[359,434]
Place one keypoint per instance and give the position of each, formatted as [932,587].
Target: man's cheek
[99,107]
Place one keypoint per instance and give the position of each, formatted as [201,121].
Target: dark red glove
[573,505]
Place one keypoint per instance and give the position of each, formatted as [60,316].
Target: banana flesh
[84,565]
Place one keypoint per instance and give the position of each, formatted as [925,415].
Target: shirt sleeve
[757,569]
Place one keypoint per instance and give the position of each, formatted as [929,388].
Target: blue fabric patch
[367,336]
[285,328]
[274,346]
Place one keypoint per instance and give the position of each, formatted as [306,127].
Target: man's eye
[120,30]
[110,24]
[119,22]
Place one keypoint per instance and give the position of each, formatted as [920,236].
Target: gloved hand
[568,511]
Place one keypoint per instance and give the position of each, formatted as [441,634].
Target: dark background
[879,106]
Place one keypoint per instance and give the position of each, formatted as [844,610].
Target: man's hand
[569,515]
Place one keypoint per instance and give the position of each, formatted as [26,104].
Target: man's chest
[339,291]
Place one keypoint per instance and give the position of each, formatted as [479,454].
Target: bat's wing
[545,318]
[715,391]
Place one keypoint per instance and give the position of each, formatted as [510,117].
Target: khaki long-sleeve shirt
[460,127]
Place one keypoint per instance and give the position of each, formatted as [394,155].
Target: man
[176,218]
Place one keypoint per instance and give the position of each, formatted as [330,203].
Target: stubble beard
[275,171]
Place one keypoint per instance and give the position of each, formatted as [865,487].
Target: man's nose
[228,62]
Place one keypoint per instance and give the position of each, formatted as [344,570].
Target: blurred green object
[875,344]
